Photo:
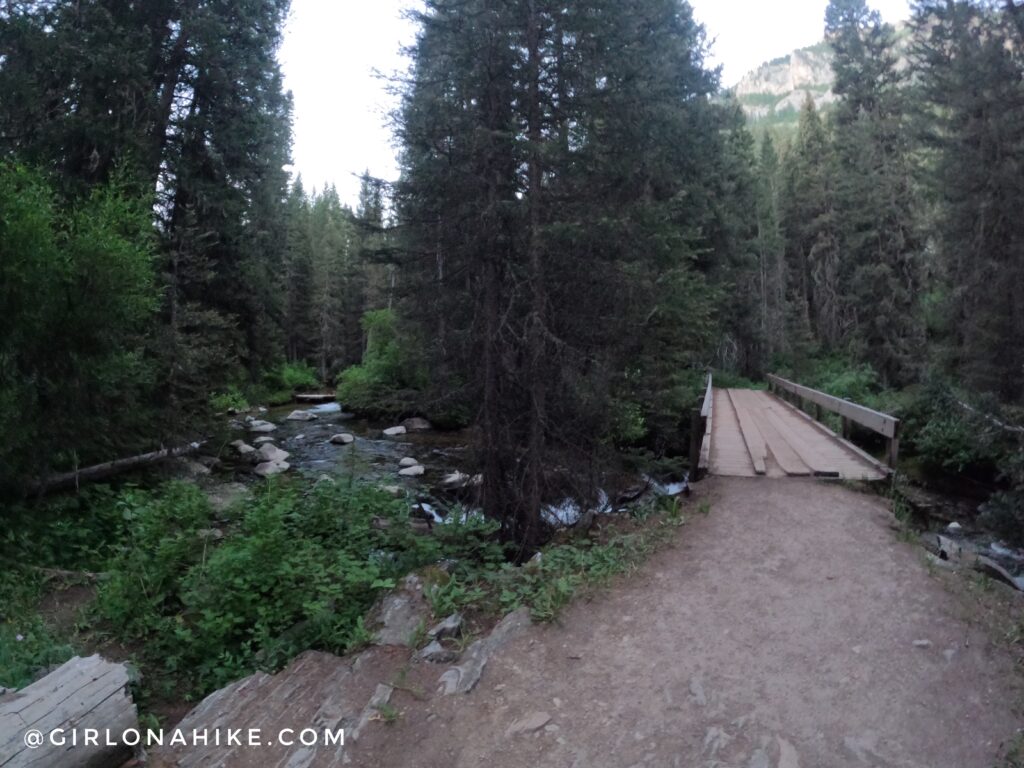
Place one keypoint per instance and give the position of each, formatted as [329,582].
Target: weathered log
[107,469]
[79,697]
[56,573]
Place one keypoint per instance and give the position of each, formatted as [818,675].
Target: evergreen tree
[812,256]
[876,218]
[969,68]
[297,287]
[559,202]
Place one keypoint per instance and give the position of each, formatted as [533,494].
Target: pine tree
[771,270]
[875,199]
[559,176]
[812,257]
[969,66]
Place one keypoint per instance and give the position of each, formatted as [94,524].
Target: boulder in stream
[408,461]
[262,440]
[301,416]
[415,471]
[343,438]
[394,431]
[271,468]
[242,447]
[417,424]
[270,452]
[258,425]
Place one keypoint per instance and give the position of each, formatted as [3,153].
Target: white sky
[333,47]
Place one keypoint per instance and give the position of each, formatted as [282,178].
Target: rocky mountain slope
[774,92]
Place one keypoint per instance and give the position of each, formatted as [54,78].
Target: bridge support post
[696,436]
[892,452]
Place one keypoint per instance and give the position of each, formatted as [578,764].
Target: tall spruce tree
[560,211]
[969,62]
[877,279]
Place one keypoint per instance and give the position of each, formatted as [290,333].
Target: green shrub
[231,399]
[291,378]
[27,645]
[389,379]
[298,571]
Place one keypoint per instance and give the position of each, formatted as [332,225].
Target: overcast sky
[333,48]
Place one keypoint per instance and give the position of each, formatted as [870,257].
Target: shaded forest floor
[791,627]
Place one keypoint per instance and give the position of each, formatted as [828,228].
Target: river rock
[301,416]
[242,447]
[408,461]
[464,677]
[258,425]
[450,627]
[415,471]
[394,431]
[271,468]
[417,424]
[270,452]
[262,441]
[343,439]
[436,653]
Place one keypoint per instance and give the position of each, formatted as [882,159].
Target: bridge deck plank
[753,422]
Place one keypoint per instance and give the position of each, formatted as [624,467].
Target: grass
[27,643]
[561,571]
[298,568]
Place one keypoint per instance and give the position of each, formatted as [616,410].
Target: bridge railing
[700,434]
[850,413]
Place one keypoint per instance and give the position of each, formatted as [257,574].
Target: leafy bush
[296,377]
[299,571]
[547,583]
[27,644]
[231,399]
[389,378]
[77,296]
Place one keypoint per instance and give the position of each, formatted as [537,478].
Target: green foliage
[387,380]
[294,377]
[298,571]
[27,644]
[231,399]
[77,296]
[77,531]
[550,580]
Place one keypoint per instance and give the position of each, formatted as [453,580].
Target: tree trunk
[107,469]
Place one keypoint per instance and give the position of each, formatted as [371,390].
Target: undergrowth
[197,602]
[549,581]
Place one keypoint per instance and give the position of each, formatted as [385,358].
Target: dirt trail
[779,633]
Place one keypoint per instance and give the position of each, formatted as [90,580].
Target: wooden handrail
[882,423]
[700,434]
[705,409]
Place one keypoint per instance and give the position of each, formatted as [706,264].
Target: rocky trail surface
[789,628]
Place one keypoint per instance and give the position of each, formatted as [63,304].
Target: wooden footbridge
[780,432]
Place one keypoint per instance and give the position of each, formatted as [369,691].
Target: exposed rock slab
[464,677]
[400,614]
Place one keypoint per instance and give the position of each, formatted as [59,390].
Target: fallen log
[84,693]
[56,573]
[99,471]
